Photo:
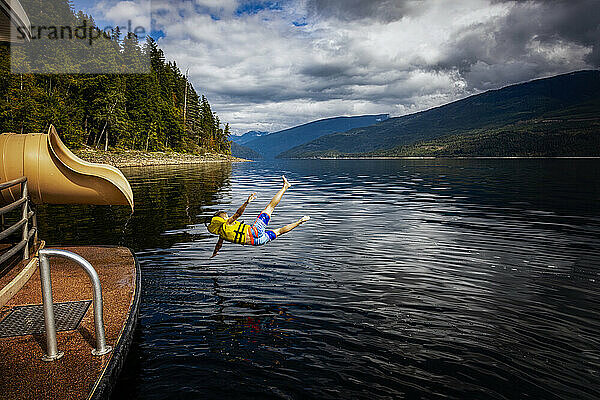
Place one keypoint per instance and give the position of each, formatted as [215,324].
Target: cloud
[352,10]
[136,13]
[270,65]
[532,39]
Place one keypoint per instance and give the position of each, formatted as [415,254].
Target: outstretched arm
[241,210]
[217,247]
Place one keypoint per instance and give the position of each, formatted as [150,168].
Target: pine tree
[126,111]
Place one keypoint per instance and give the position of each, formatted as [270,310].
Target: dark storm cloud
[314,90]
[519,46]
[348,10]
[326,70]
[594,57]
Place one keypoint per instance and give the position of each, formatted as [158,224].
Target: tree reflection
[169,200]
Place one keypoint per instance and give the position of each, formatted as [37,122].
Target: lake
[413,279]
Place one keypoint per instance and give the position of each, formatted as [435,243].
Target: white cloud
[276,67]
[218,6]
[133,13]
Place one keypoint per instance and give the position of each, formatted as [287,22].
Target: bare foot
[286,183]
[304,219]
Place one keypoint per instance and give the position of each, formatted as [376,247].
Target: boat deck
[78,374]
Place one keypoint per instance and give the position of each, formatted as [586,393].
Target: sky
[269,65]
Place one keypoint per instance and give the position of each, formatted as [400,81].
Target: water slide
[57,176]
[14,22]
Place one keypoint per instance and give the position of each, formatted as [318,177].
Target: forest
[549,117]
[535,138]
[158,110]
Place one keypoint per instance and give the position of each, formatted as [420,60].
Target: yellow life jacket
[235,233]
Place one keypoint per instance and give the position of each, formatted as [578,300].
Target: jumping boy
[228,228]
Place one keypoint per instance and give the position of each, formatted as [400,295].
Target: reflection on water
[426,278]
[165,197]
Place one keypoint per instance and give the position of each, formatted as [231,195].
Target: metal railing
[52,352]
[22,224]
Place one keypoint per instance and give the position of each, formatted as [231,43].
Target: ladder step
[29,319]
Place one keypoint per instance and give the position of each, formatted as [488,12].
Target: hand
[252,197]
[217,247]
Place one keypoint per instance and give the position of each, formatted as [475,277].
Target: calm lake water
[414,279]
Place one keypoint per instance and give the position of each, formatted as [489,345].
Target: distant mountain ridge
[275,143]
[248,136]
[516,110]
[241,151]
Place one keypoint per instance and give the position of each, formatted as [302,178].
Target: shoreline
[138,158]
[446,158]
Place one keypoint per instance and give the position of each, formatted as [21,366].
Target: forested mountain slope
[522,109]
[271,145]
[241,151]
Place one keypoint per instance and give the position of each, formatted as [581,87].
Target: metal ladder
[52,352]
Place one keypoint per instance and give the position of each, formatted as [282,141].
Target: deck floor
[23,375]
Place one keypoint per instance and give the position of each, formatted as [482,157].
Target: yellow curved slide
[57,176]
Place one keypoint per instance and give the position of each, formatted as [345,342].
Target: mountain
[497,122]
[555,135]
[248,136]
[238,150]
[274,143]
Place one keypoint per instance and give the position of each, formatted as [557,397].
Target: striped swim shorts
[258,232]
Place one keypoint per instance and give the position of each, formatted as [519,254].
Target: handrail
[12,206]
[22,223]
[23,244]
[12,229]
[6,185]
[52,352]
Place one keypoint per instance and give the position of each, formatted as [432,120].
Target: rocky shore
[136,158]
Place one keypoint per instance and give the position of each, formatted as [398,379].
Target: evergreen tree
[125,111]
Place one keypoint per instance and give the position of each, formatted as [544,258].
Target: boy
[228,228]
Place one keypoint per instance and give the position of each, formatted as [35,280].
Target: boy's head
[217,220]
[221,213]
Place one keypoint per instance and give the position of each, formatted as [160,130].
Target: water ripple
[446,279]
